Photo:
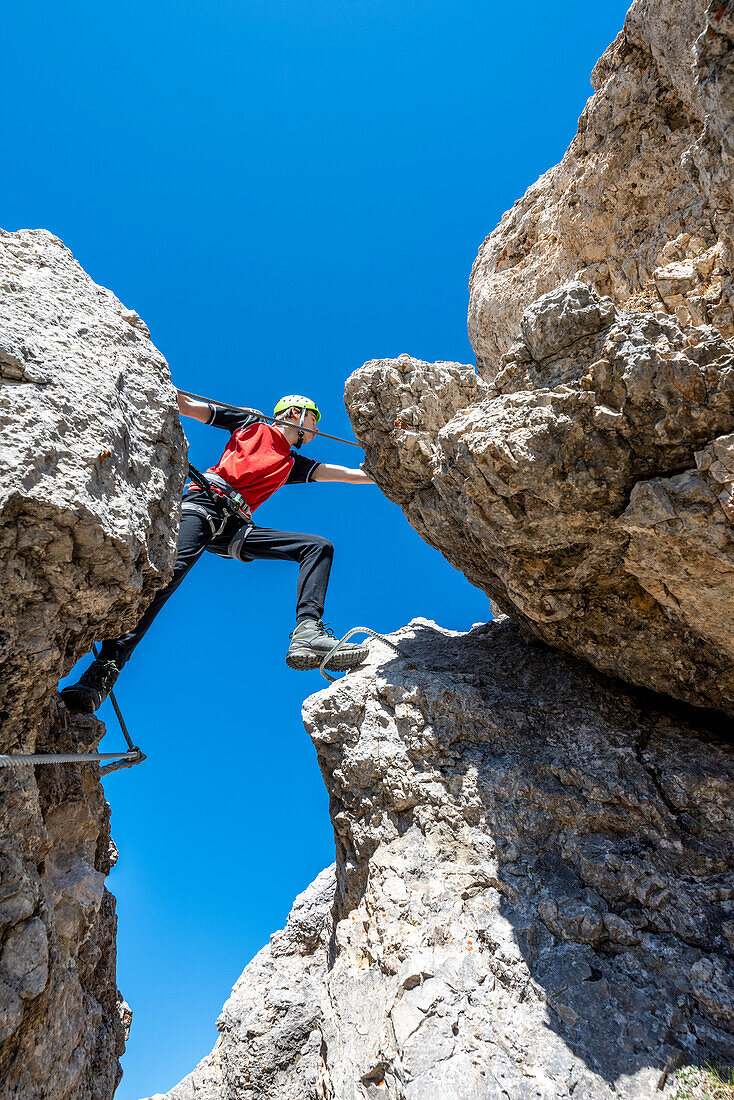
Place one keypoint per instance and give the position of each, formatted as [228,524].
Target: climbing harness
[239,505]
[372,634]
[233,501]
[263,416]
[122,759]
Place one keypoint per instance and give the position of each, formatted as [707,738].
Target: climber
[257,461]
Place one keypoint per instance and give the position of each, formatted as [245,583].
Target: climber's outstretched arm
[326,472]
[197,410]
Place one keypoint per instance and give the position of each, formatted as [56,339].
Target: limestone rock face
[92,461]
[565,481]
[561,488]
[569,489]
[533,890]
[534,876]
[90,436]
[640,207]
[680,547]
[62,1020]
[601,315]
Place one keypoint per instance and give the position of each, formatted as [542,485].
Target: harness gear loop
[216,529]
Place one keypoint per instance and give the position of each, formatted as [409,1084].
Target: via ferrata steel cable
[122,759]
[264,416]
[360,630]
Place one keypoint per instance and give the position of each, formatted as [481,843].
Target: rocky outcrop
[583,480]
[587,489]
[640,207]
[62,1022]
[533,896]
[92,458]
[93,445]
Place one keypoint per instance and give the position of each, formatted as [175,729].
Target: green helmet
[295,401]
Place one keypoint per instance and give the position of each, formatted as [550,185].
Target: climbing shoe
[93,687]
[311,641]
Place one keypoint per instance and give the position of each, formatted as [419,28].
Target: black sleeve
[302,471]
[232,419]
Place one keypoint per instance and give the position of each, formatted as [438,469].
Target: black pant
[206,528]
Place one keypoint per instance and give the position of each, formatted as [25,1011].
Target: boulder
[568,487]
[563,481]
[92,457]
[271,1027]
[92,454]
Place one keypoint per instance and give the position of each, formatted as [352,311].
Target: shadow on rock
[532,852]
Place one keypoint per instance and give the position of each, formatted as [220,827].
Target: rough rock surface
[91,436]
[534,881]
[92,463]
[588,489]
[533,892]
[640,207]
[534,884]
[62,1021]
[580,485]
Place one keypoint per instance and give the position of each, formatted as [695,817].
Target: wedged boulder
[533,890]
[647,182]
[541,489]
[92,462]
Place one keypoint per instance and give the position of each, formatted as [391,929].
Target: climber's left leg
[313,554]
[310,641]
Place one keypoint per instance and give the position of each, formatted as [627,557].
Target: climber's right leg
[91,690]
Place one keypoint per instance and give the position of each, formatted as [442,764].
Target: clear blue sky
[282,190]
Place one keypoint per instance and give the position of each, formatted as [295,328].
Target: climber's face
[309,426]
[309,422]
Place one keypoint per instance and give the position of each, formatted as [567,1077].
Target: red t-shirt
[257,459]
